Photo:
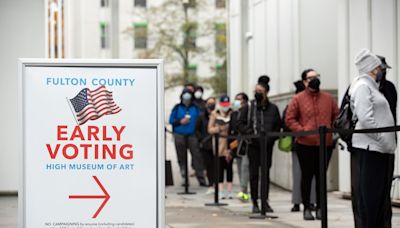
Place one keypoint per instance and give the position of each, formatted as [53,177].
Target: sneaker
[221,195]
[210,191]
[244,197]
[268,208]
[313,207]
[295,208]
[307,214]
[230,195]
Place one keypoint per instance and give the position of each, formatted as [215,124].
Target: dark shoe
[318,214]
[307,214]
[256,209]
[268,208]
[313,207]
[295,208]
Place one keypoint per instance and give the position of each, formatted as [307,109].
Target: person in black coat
[264,117]
[205,141]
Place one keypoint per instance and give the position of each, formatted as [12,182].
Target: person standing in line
[296,171]
[198,98]
[183,119]
[264,117]
[240,107]
[205,142]
[308,110]
[219,124]
[372,154]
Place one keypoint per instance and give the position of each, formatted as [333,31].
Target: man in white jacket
[371,153]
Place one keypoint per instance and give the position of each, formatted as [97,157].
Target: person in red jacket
[309,110]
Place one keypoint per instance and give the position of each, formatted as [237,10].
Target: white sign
[92,143]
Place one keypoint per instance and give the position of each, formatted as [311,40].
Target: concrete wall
[281,38]
[372,24]
[22,24]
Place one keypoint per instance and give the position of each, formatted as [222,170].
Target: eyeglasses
[311,77]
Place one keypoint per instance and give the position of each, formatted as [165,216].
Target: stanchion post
[216,174]
[322,171]
[186,192]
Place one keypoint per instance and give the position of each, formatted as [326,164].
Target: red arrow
[106,197]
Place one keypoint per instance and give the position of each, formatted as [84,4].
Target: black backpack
[345,119]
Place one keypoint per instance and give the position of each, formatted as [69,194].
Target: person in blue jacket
[183,119]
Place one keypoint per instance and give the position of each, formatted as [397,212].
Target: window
[220,4]
[190,31]
[140,3]
[104,35]
[104,3]
[220,38]
[192,70]
[140,30]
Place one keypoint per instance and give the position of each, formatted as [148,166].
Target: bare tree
[173,29]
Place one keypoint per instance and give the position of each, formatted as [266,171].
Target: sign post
[92,149]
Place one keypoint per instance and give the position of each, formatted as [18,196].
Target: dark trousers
[182,144]
[309,165]
[371,181]
[228,166]
[254,155]
[208,157]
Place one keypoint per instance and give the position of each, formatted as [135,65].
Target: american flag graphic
[93,104]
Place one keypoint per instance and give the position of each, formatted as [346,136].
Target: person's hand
[228,156]
[185,121]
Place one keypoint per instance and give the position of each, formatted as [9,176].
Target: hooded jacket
[372,110]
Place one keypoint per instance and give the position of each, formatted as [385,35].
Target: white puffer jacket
[372,110]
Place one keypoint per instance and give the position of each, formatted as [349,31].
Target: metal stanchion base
[258,216]
[215,204]
[186,193]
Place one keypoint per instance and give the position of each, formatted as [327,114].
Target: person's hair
[199,88]
[305,72]
[263,81]
[244,96]
[213,98]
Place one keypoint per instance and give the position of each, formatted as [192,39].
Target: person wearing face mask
[219,124]
[308,110]
[264,117]
[198,98]
[205,142]
[183,119]
[388,90]
[371,154]
[240,107]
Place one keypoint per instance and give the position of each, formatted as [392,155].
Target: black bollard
[264,170]
[186,192]
[216,175]
[322,170]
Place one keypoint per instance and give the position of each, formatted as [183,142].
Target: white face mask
[198,94]
[236,104]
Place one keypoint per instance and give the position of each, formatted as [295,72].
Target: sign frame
[158,64]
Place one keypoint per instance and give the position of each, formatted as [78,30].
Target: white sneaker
[222,195]
[230,195]
[210,191]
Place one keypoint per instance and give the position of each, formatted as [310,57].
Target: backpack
[345,119]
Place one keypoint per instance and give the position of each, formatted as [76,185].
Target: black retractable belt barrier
[322,171]
[216,174]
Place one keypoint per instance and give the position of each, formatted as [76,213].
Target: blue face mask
[187,96]
[236,104]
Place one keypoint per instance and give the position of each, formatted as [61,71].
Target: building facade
[281,38]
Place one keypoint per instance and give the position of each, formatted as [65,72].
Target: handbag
[285,143]
[242,148]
